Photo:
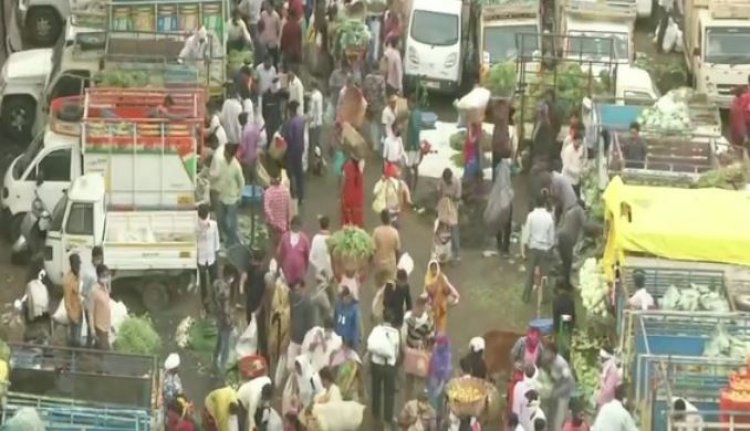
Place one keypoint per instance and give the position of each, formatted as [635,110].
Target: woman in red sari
[352,194]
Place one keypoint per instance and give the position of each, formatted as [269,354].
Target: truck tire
[18,116]
[154,296]
[43,26]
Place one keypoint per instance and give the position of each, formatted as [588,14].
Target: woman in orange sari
[441,293]
[352,194]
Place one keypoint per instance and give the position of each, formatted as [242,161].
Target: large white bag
[338,415]
[61,314]
[247,344]
[478,98]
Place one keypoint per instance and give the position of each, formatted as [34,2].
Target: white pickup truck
[135,195]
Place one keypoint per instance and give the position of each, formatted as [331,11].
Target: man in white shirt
[266,75]
[315,117]
[538,240]
[393,149]
[521,388]
[613,416]
[573,157]
[388,118]
[230,118]
[296,89]
[208,247]
[215,129]
[384,345]
[686,416]
[320,259]
[641,299]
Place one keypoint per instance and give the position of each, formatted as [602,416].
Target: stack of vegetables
[668,71]
[138,336]
[501,80]
[127,79]
[669,115]
[593,287]
[695,298]
[724,345]
[732,177]
[571,84]
[351,248]
[236,59]
[584,356]
[353,35]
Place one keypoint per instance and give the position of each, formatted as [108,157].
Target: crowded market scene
[377,215]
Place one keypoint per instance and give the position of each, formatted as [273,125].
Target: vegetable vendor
[254,398]
[172,384]
[221,410]
[641,299]
[418,415]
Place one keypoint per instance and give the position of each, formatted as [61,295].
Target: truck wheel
[44,26]
[154,296]
[18,115]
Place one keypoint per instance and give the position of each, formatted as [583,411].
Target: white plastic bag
[406,263]
[61,314]
[247,344]
[84,334]
[478,98]
[379,344]
[338,415]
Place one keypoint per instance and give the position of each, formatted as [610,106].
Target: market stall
[667,223]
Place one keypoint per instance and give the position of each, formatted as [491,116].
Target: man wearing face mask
[100,310]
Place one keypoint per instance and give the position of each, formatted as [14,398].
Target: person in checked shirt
[277,207]
[208,247]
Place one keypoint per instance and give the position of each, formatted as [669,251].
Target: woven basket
[473,408]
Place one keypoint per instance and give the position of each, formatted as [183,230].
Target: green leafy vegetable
[502,79]
[137,335]
[351,241]
[202,335]
[237,58]
[728,177]
[353,33]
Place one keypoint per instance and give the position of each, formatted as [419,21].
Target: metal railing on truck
[699,381]
[552,62]
[659,275]
[86,376]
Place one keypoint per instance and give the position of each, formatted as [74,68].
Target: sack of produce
[476,99]
[25,419]
[416,361]
[352,142]
[467,396]
[338,415]
[137,335]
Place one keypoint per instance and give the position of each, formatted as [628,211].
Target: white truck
[506,26]
[53,159]
[597,31]
[135,197]
[717,46]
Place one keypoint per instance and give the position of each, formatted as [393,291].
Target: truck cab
[22,82]
[503,25]
[717,46]
[435,45]
[600,32]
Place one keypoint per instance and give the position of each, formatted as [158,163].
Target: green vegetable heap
[137,335]
[353,33]
[202,336]
[236,59]
[351,241]
[502,79]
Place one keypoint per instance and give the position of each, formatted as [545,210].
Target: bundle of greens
[502,79]
[351,241]
[458,139]
[571,84]
[668,72]
[137,335]
[730,177]
[353,33]
[124,78]
[201,336]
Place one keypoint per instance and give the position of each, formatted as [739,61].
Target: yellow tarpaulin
[704,225]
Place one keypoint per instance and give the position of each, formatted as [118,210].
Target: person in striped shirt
[418,331]
[277,207]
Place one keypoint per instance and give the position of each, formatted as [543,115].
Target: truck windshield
[434,28]
[500,42]
[598,46]
[728,45]
[27,157]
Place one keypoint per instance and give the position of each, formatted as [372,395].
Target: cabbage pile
[593,287]
[724,345]
[668,115]
[694,298]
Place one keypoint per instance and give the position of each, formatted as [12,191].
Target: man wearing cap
[172,386]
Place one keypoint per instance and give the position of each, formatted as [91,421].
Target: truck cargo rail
[699,381]
[659,275]
[86,375]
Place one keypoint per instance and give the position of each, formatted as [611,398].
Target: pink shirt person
[294,254]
